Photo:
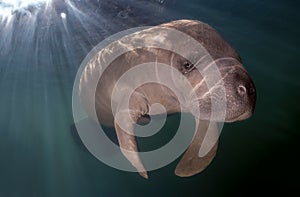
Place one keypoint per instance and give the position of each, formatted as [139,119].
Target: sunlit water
[41,48]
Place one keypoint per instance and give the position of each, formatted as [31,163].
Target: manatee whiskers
[209,92]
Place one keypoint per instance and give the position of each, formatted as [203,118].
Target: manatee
[239,90]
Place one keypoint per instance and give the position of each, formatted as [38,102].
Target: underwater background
[43,45]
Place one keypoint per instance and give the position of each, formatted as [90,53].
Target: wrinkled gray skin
[240,92]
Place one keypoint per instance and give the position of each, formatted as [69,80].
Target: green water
[41,156]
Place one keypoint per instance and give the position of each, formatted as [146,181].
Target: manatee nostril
[251,91]
[241,90]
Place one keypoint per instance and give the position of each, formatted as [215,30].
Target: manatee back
[209,38]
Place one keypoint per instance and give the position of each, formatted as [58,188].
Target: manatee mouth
[205,113]
[243,116]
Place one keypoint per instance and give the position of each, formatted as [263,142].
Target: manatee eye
[188,67]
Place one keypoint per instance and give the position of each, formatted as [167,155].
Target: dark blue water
[40,53]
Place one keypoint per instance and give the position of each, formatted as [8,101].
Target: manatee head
[239,88]
[240,92]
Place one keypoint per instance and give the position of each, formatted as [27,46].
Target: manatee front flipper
[201,151]
[129,149]
[125,119]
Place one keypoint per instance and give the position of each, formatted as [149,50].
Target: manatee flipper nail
[191,164]
[128,145]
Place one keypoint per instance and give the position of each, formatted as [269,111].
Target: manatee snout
[239,90]
[240,94]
